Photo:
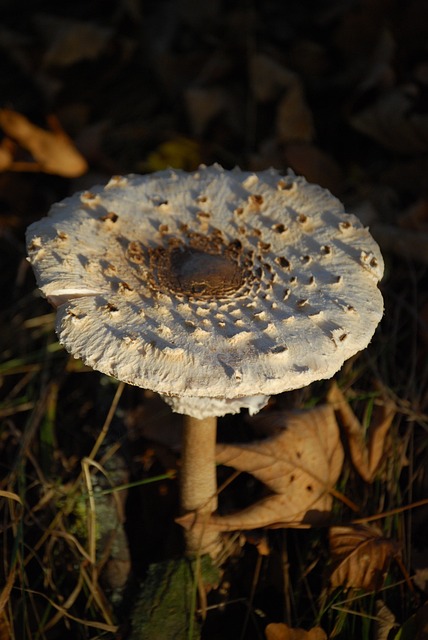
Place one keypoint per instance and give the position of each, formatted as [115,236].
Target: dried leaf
[204,104]
[5,632]
[6,157]
[385,621]
[281,631]
[293,117]
[395,120]
[70,41]
[360,557]
[315,164]
[268,78]
[53,151]
[420,569]
[378,429]
[6,590]
[365,457]
[300,465]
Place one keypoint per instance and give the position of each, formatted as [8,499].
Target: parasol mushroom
[214,288]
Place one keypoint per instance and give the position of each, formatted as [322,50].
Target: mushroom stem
[199,483]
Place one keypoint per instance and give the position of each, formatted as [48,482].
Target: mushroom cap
[214,284]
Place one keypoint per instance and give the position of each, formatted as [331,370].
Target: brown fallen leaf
[360,557]
[385,621]
[294,121]
[204,104]
[5,630]
[420,569]
[366,454]
[300,465]
[70,41]
[395,121]
[53,151]
[6,156]
[270,80]
[314,164]
[281,631]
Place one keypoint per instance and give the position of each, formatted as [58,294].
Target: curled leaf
[360,557]
[53,151]
[367,453]
[385,621]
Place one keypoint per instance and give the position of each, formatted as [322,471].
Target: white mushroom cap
[205,407]
[214,288]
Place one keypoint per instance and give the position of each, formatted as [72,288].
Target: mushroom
[214,288]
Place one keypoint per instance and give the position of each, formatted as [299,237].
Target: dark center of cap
[193,272]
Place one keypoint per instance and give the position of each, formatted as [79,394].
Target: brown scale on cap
[284,185]
[135,252]
[255,200]
[279,228]
[203,215]
[110,215]
[264,246]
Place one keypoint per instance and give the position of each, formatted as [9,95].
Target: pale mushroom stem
[199,483]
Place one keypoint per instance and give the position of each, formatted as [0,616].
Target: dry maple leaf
[281,631]
[360,557]
[300,465]
[366,456]
[53,151]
